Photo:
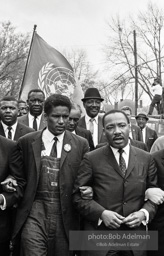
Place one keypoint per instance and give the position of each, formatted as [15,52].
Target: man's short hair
[56,100]
[76,107]
[35,90]
[127,108]
[9,98]
[21,101]
[113,111]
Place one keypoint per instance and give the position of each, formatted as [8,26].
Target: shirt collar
[126,149]
[50,136]
[144,128]
[32,117]
[13,126]
[87,119]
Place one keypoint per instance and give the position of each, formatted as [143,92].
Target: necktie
[9,132]
[54,148]
[91,127]
[35,123]
[122,163]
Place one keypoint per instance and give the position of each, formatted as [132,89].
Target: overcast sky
[70,23]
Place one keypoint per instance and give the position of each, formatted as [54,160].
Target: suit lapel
[2,131]
[37,147]
[43,123]
[18,132]
[67,140]
[147,134]
[77,131]
[112,160]
[82,122]
[100,128]
[26,120]
[132,161]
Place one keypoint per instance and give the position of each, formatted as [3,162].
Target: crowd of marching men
[61,171]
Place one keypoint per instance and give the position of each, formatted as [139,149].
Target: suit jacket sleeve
[151,182]
[15,168]
[89,209]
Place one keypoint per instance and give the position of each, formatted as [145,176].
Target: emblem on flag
[54,79]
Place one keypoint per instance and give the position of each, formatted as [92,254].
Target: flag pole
[34,29]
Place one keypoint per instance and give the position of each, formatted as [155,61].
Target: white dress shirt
[13,129]
[48,141]
[125,154]
[95,129]
[31,120]
[144,134]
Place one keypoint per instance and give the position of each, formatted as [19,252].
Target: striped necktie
[122,163]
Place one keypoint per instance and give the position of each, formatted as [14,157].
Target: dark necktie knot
[55,139]
[92,120]
[121,151]
[9,128]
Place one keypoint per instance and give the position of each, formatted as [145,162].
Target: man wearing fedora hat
[149,135]
[92,121]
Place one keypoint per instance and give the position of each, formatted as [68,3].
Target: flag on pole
[48,70]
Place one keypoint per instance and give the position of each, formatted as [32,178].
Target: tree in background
[14,48]
[119,50]
[82,68]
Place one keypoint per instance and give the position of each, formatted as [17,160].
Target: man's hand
[86,192]
[134,219]
[9,184]
[112,219]
[156,195]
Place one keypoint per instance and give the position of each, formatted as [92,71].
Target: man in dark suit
[119,175]
[51,160]
[9,126]
[73,127]
[157,196]
[135,132]
[35,118]
[92,121]
[10,164]
[148,135]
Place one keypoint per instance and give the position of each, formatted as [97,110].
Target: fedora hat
[142,114]
[92,93]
